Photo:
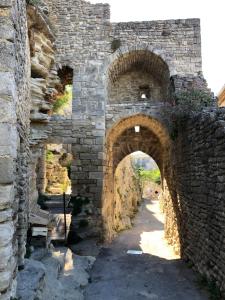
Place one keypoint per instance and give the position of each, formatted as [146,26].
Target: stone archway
[154,140]
[138,76]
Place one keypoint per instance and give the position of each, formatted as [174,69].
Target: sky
[211,13]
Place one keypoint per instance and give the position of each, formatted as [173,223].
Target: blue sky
[211,13]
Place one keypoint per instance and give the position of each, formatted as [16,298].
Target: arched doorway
[137,179]
[140,133]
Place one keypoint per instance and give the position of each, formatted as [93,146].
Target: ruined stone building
[123,75]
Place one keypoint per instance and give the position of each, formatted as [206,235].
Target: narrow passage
[156,274]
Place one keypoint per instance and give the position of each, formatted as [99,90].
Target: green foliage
[77,203]
[115,45]
[192,100]
[63,101]
[83,223]
[49,156]
[64,186]
[149,175]
[187,104]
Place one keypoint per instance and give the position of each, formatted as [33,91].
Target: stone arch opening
[58,161]
[148,174]
[62,104]
[137,179]
[152,139]
[138,76]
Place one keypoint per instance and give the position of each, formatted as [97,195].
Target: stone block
[8,140]
[7,62]
[6,26]
[7,170]
[5,280]
[5,254]
[6,215]
[100,125]
[6,3]
[7,86]
[96,175]
[6,196]
[7,112]
[6,233]
[98,133]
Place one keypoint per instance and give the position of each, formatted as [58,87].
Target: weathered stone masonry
[124,75]
[14,143]
[200,192]
[108,83]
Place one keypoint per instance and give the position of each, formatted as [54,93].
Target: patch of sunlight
[66,260]
[153,243]
[154,209]
[68,266]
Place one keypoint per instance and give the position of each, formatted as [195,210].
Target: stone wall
[154,58]
[44,83]
[178,42]
[126,198]
[14,145]
[82,31]
[200,186]
[136,86]
[85,41]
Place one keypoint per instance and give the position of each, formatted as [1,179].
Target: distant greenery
[149,175]
[49,156]
[64,100]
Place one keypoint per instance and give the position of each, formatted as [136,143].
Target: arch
[121,140]
[139,59]
[154,126]
[158,51]
[138,74]
[130,141]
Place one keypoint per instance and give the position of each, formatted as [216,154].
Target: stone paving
[156,274]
